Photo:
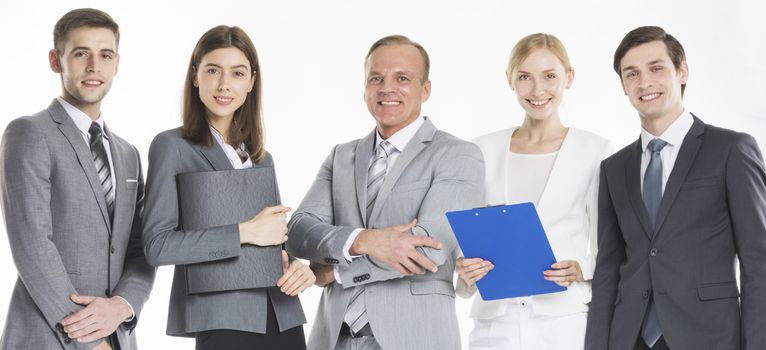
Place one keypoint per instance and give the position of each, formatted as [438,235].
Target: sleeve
[137,275]
[588,263]
[164,241]
[313,233]
[746,193]
[25,172]
[606,277]
[457,183]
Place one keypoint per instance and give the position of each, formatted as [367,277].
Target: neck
[92,110]
[536,130]
[658,126]
[222,125]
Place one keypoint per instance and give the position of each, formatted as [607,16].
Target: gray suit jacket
[713,211]
[436,173]
[60,234]
[166,243]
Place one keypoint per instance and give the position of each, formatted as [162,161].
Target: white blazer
[568,210]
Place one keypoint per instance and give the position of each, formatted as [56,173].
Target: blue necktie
[652,195]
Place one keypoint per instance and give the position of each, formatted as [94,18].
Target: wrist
[358,247]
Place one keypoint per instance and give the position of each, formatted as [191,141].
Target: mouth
[223,100]
[389,103]
[539,103]
[91,83]
[650,97]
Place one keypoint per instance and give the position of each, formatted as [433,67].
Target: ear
[683,72]
[116,63]
[252,81]
[426,91]
[570,78]
[54,61]
[510,81]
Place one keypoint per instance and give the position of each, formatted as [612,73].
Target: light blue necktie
[652,195]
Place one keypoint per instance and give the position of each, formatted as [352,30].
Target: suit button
[67,339]
[645,294]
[59,327]
[653,252]
[107,292]
[112,250]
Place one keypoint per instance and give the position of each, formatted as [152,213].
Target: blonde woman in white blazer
[556,168]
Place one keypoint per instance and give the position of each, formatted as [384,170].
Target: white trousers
[521,329]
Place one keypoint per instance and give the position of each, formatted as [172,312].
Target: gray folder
[217,198]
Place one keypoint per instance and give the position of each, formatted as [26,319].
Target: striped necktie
[101,162]
[356,313]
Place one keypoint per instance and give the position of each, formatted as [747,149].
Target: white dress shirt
[83,122]
[674,136]
[235,155]
[399,140]
[527,176]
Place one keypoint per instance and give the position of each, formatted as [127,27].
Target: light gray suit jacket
[59,229]
[167,243]
[436,173]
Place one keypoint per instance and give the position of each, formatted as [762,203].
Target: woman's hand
[266,228]
[564,273]
[297,276]
[472,269]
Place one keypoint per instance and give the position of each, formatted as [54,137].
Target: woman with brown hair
[221,130]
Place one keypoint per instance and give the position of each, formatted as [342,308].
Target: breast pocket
[405,200]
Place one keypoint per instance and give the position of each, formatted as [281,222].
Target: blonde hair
[533,42]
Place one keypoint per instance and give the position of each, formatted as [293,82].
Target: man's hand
[325,274]
[395,246]
[99,318]
[103,345]
[564,273]
[297,276]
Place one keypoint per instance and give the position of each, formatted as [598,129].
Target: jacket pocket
[432,287]
[713,291]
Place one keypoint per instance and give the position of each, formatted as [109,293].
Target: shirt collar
[401,138]
[674,135]
[80,119]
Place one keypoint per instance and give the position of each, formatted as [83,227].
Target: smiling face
[652,82]
[394,89]
[539,82]
[87,64]
[224,78]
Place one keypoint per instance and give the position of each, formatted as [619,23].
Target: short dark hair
[80,18]
[646,34]
[246,126]
[402,40]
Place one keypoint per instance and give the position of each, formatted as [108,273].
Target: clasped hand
[397,247]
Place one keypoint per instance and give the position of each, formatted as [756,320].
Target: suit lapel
[362,156]
[120,188]
[215,156]
[633,185]
[84,157]
[422,138]
[684,161]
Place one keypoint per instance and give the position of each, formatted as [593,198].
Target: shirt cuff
[347,248]
[337,275]
[132,312]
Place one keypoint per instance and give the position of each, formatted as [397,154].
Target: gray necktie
[652,195]
[356,313]
[101,162]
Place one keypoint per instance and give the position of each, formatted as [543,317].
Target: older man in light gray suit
[373,222]
[72,197]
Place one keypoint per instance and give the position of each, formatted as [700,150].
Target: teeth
[389,103]
[538,102]
[224,99]
[649,97]
[92,82]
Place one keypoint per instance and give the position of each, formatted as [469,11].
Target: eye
[657,68]
[631,74]
[212,71]
[107,56]
[239,74]
[402,78]
[80,54]
[376,79]
[524,77]
[550,76]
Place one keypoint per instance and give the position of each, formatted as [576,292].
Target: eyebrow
[217,66]
[545,71]
[651,63]
[89,49]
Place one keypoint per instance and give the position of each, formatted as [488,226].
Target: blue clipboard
[513,239]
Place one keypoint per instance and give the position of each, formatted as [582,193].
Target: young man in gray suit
[72,198]
[373,222]
[676,209]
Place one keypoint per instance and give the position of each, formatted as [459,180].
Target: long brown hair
[246,126]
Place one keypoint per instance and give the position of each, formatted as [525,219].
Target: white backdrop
[311,57]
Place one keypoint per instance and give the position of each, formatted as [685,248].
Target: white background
[311,57]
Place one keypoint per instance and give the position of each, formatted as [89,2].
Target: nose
[644,81]
[538,87]
[93,64]
[387,85]
[223,83]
